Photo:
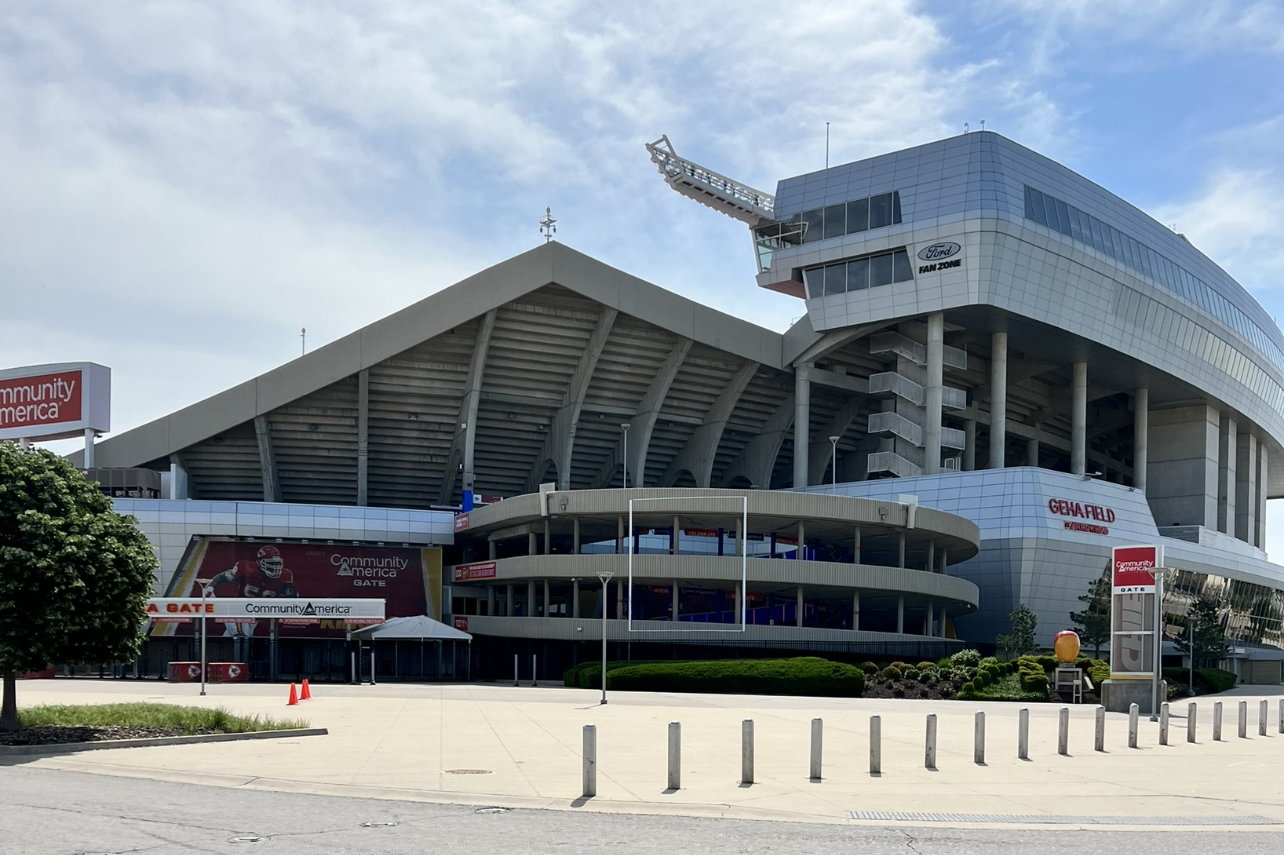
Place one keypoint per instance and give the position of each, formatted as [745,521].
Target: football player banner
[408,579]
[1134,589]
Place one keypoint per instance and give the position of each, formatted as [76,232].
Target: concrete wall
[1181,480]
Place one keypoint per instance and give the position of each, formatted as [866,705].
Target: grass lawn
[1008,688]
[47,724]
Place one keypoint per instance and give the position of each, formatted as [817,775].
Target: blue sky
[186,185]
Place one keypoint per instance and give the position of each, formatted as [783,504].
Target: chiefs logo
[193,671]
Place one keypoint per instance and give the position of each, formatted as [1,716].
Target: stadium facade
[1003,372]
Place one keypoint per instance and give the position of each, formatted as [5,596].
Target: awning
[420,626]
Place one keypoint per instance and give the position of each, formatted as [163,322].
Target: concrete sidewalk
[520,747]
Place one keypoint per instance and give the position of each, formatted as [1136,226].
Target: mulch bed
[943,690]
[61,734]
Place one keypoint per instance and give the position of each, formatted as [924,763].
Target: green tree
[1210,638]
[1021,641]
[1093,623]
[74,575]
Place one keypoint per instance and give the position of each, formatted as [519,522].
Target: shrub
[807,675]
[911,673]
[928,677]
[870,668]
[966,691]
[898,692]
[925,666]
[966,658]
[982,679]
[901,666]
[1219,679]
[947,662]
[987,661]
[891,672]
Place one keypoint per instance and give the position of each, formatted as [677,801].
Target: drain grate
[467,771]
[1043,819]
[491,810]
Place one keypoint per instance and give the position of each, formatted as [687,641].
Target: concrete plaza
[520,747]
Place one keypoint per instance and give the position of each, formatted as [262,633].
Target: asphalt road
[48,812]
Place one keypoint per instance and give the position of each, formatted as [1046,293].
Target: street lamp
[605,576]
[833,442]
[205,589]
[624,426]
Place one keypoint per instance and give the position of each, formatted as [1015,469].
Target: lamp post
[833,480]
[605,576]
[624,426]
[205,589]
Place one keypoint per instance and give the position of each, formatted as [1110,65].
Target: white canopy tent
[419,628]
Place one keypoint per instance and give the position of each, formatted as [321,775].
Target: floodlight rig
[738,201]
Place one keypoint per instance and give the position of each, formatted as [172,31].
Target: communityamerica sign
[57,401]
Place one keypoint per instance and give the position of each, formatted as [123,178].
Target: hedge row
[807,675]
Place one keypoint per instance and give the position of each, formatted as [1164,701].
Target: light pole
[605,576]
[624,426]
[833,442]
[205,589]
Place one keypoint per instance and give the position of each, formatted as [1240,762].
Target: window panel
[1063,217]
[901,270]
[896,207]
[880,210]
[858,275]
[1076,224]
[835,221]
[857,216]
[835,279]
[813,225]
[815,282]
[880,270]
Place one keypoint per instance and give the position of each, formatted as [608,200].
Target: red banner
[1133,566]
[468,572]
[42,399]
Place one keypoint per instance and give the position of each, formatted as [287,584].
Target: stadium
[1002,372]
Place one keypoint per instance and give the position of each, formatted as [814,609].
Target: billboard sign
[468,572]
[40,402]
[244,608]
[1132,568]
[407,579]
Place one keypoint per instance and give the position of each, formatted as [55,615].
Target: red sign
[461,522]
[461,623]
[700,532]
[1066,508]
[399,575]
[1085,527]
[468,572]
[40,400]
[1133,567]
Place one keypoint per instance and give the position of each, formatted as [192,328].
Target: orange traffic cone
[306,694]
[294,697]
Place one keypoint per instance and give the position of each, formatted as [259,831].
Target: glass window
[1097,242]
[835,221]
[835,279]
[1029,204]
[901,271]
[1036,200]
[1063,217]
[813,225]
[896,207]
[1076,224]
[880,270]
[1116,243]
[858,275]
[815,281]
[857,216]
[880,210]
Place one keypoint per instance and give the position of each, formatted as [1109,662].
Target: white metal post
[833,480]
[1133,711]
[817,732]
[978,739]
[1192,726]
[624,426]
[590,761]
[205,589]
[1243,719]
[929,747]
[1217,721]
[1023,734]
[605,576]
[875,745]
[1262,713]
[1100,742]
[675,755]
[1063,732]
[746,751]
[1163,724]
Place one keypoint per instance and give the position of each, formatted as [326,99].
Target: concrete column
[509,611]
[940,622]
[1032,452]
[932,392]
[548,599]
[673,589]
[931,557]
[969,445]
[998,398]
[901,559]
[798,618]
[548,541]
[900,614]
[1227,464]
[491,549]
[675,540]
[931,617]
[621,595]
[802,535]
[944,563]
[89,453]
[1262,485]
[856,547]
[490,600]
[530,598]
[575,598]
[1079,419]
[575,536]
[363,433]
[1140,437]
[856,609]
[802,424]
[532,543]
[619,535]
[1246,488]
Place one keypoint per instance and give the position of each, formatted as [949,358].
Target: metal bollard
[534,670]
[1063,732]
[1281,715]
[1243,719]
[1262,713]
[1163,724]
[875,745]
[590,761]
[1100,743]
[1023,734]
[1217,722]
[1133,709]
[1192,721]
[978,739]
[515,669]
[675,755]
[929,749]
[817,733]
[746,751]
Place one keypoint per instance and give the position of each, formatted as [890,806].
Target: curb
[76,747]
